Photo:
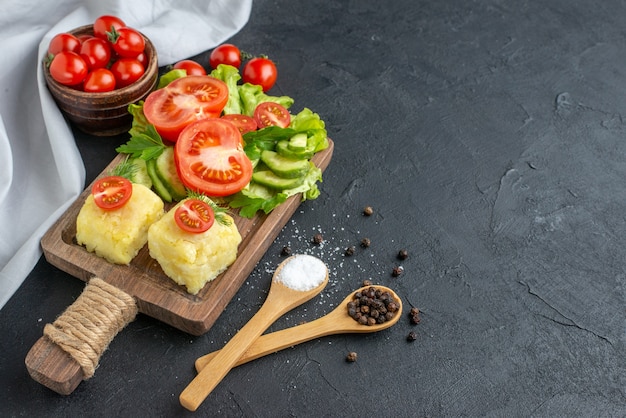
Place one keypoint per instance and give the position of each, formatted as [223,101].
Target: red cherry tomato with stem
[99,80]
[194,215]
[260,71]
[126,71]
[68,68]
[106,23]
[227,54]
[183,101]
[210,158]
[111,192]
[191,67]
[127,42]
[271,114]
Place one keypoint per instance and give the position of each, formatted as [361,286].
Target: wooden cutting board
[155,294]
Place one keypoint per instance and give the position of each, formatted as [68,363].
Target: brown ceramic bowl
[103,114]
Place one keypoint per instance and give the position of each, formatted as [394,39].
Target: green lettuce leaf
[251,95]
[170,76]
[229,75]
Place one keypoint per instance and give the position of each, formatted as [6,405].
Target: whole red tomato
[96,52]
[127,42]
[261,71]
[227,54]
[99,80]
[64,42]
[68,68]
[191,67]
[126,71]
[106,23]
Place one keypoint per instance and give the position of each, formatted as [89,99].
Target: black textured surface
[488,136]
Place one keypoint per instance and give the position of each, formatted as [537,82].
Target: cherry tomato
[127,42]
[185,100]
[210,158]
[271,114]
[126,71]
[106,23]
[68,68]
[111,192]
[227,54]
[192,67]
[96,53]
[64,42]
[99,80]
[244,123]
[82,38]
[143,59]
[261,71]
[194,215]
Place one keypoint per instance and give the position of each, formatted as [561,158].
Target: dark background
[488,136]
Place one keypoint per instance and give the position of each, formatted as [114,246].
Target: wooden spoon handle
[279,340]
[202,385]
[71,346]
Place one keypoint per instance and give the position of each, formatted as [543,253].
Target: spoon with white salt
[296,280]
[338,321]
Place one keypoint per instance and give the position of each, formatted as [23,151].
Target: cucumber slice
[140,172]
[298,142]
[282,148]
[166,170]
[283,166]
[157,184]
[271,180]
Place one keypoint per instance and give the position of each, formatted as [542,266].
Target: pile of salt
[302,272]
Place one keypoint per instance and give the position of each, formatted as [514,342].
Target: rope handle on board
[83,332]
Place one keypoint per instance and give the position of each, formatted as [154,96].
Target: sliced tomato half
[183,101]
[244,123]
[111,192]
[271,114]
[194,215]
[210,158]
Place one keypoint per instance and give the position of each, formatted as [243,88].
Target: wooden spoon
[282,297]
[336,322]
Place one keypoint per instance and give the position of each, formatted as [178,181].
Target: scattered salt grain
[303,272]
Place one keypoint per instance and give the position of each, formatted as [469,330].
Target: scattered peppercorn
[398,270]
[351,357]
[371,306]
[368,211]
[403,254]
[366,242]
[414,315]
[350,251]
[411,337]
[318,239]
[286,250]
[367,282]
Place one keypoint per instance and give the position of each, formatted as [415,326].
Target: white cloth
[41,170]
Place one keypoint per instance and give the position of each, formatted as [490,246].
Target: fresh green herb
[145,142]
[124,169]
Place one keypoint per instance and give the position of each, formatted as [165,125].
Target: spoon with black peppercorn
[296,280]
[340,320]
